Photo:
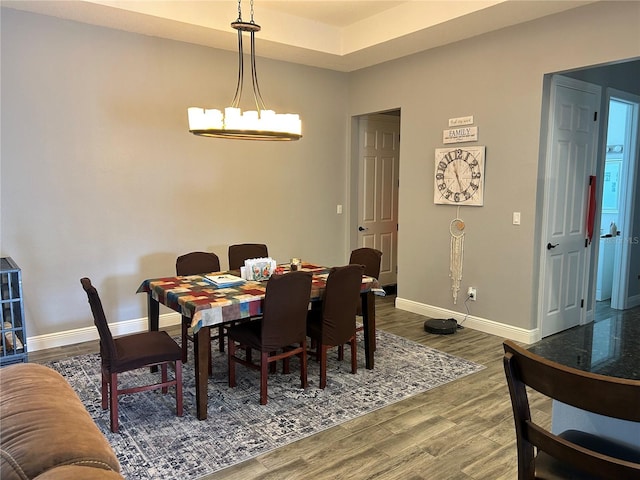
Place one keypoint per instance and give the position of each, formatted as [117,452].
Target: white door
[379,150]
[570,159]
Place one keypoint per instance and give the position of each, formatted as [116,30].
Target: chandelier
[258,124]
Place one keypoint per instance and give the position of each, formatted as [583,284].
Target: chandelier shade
[231,122]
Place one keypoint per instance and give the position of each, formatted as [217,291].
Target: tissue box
[259,269]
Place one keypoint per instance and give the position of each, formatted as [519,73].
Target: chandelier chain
[240,11]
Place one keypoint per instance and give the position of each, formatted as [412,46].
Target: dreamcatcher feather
[456,254]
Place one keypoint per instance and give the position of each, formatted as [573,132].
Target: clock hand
[455,170]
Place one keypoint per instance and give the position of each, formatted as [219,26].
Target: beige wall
[497,78]
[100,177]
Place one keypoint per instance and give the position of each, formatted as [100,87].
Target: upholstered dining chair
[196,263]
[333,324]
[279,334]
[370,258]
[572,454]
[242,251]
[132,352]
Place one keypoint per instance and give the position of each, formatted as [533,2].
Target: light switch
[339,209]
[516,218]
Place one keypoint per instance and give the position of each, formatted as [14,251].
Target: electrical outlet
[472,294]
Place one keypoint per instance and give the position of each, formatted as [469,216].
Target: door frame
[620,290]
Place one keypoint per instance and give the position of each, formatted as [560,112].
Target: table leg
[153,313]
[201,349]
[369,323]
[153,318]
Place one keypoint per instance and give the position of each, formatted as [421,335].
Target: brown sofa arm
[46,430]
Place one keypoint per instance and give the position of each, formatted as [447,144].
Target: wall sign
[460,134]
[456,122]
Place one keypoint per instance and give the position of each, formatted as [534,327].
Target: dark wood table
[209,306]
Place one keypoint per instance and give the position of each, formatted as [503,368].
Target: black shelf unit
[13,338]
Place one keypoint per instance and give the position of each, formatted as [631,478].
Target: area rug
[155,444]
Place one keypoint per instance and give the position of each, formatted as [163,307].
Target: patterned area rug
[155,444]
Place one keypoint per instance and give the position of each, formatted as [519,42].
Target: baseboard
[476,323]
[86,334]
[633,301]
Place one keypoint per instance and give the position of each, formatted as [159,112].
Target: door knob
[550,246]
[362,229]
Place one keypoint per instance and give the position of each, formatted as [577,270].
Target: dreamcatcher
[456,255]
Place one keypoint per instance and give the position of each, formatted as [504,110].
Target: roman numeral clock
[459,176]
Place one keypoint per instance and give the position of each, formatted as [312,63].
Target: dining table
[208,305]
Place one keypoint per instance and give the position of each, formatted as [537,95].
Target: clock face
[459,176]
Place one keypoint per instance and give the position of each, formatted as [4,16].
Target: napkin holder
[259,269]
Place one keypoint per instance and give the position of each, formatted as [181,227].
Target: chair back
[604,395]
[240,252]
[195,263]
[340,303]
[286,302]
[107,345]
[370,258]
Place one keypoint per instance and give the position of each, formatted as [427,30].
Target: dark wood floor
[461,430]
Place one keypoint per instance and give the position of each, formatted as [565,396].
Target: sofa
[45,431]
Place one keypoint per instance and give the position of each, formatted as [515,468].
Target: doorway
[616,220]
[570,159]
[376,165]
[615,80]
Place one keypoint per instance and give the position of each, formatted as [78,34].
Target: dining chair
[572,454]
[132,352]
[333,323]
[370,258]
[197,263]
[279,334]
[238,253]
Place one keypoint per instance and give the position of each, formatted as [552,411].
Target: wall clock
[459,176]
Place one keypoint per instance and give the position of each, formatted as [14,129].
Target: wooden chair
[333,324]
[132,352]
[571,454]
[197,263]
[240,252]
[279,334]
[370,258]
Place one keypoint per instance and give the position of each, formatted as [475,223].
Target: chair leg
[164,377]
[264,363]
[323,365]
[272,365]
[210,361]
[303,364]
[113,401]
[340,353]
[179,406]
[354,355]
[285,366]
[185,332]
[105,390]
[231,351]
[220,339]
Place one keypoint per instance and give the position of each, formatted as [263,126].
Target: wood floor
[461,430]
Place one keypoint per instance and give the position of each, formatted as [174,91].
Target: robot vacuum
[441,326]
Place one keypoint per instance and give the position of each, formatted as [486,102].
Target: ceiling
[338,35]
